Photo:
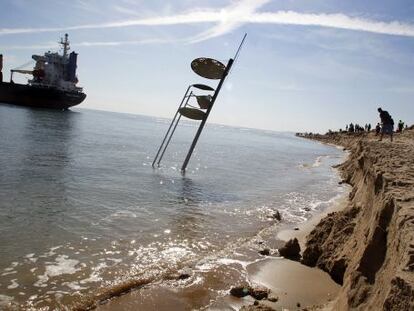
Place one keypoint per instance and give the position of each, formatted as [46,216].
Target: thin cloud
[230,19]
[87,44]
[341,21]
[44,46]
[237,14]
[117,43]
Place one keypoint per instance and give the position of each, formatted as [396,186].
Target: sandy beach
[368,246]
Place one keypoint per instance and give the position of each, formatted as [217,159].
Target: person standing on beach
[387,123]
[377,129]
[400,126]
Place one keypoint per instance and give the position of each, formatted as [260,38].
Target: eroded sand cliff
[369,246]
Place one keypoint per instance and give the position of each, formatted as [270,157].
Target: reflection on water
[191,194]
[81,208]
[34,181]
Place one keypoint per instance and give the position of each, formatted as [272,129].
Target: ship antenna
[65,44]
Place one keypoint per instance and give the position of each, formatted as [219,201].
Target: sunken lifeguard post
[207,68]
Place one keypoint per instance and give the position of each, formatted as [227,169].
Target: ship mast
[65,44]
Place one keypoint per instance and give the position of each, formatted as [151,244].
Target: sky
[306,65]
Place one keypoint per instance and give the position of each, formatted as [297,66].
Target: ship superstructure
[53,83]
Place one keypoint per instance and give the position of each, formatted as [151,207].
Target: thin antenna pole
[200,129]
[240,46]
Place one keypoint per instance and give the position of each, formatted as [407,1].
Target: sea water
[82,209]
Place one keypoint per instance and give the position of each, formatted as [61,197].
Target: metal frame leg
[169,128]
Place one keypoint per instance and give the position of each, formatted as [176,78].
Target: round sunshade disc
[204,101]
[203,87]
[208,68]
[192,113]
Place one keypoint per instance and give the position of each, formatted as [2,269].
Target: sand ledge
[369,246]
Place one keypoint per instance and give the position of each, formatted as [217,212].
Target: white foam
[63,265]
[229,261]
[205,266]
[318,161]
[123,214]
[13,284]
[51,252]
[198,280]
[74,285]
[33,297]
[41,280]
[175,254]
[31,257]
[94,276]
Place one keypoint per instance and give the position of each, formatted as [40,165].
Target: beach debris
[182,274]
[298,305]
[296,229]
[259,293]
[185,272]
[273,298]
[276,215]
[240,291]
[291,250]
[265,252]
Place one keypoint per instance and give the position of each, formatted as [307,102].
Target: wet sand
[287,233]
[289,281]
[293,283]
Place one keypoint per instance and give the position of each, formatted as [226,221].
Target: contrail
[237,14]
[52,45]
[341,21]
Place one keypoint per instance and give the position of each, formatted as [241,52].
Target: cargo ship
[53,83]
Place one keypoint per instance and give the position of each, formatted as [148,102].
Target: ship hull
[38,97]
